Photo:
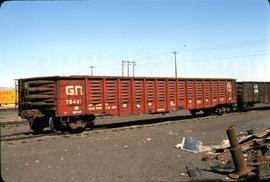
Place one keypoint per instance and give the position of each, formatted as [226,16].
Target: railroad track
[6,123]
[25,122]
[47,133]
[22,136]
[112,127]
[86,132]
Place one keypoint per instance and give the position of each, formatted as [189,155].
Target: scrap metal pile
[243,157]
[249,158]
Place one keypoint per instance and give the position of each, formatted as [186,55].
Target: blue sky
[224,38]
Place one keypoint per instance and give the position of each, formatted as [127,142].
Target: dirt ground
[145,153]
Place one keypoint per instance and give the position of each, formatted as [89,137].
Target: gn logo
[74,90]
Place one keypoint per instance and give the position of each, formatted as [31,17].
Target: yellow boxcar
[8,97]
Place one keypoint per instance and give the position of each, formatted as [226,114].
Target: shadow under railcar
[147,121]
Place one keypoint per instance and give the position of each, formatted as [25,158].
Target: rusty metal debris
[193,171]
[250,156]
[241,169]
[242,157]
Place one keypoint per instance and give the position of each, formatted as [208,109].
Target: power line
[211,58]
[232,46]
[229,57]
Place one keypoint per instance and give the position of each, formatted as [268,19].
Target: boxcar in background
[8,97]
[75,101]
[250,93]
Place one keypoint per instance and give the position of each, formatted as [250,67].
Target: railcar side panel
[215,93]
[138,100]
[248,91]
[125,97]
[233,91]
[207,94]
[190,94]
[37,94]
[111,97]
[199,94]
[95,96]
[71,97]
[261,92]
[253,92]
[228,91]
[118,96]
[77,96]
[267,93]
[172,95]
[161,99]
[182,92]
[221,89]
[150,96]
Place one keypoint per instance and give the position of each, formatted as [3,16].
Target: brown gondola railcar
[75,101]
[250,93]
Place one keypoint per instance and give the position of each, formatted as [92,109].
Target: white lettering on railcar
[76,112]
[110,107]
[74,90]
[93,107]
[161,109]
[229,87]
[172,103]
[256,89]
[73,101]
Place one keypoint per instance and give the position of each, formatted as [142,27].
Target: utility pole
[128,64]
[91,67]
[123,64]
[175,63]
[133,67]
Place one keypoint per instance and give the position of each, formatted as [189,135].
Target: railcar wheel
[55,125]
[193,112]
[220,111]
[36,125]
[245,108]
[207,112]
[231,108]
[90,124]
[248,107]
[77,126]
